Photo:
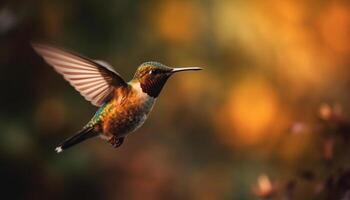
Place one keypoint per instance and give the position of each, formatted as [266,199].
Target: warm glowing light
[253,106]
[325,111]
[330,112]
[264,183]
[335,27]
[178,21]
[264,187]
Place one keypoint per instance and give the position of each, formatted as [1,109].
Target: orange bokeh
[335,29]
[177,21]
[251,110]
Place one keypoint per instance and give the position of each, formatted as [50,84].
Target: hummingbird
[123,106]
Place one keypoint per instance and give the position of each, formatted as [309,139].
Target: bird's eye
[153,71]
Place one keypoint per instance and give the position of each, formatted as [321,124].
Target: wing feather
[95,80]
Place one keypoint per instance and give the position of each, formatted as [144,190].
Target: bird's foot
[116,142]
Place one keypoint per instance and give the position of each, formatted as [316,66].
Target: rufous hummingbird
[123,106]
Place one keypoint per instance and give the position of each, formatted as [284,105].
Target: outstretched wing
[95,80]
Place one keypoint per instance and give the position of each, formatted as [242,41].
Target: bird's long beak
[180,69]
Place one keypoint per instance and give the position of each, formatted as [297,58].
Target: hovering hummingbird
[123,106]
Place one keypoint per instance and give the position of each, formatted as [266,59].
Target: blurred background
[266,119]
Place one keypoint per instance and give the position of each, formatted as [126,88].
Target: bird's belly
[127,118]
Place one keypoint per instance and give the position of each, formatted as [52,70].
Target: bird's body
[125,113]
[124,106]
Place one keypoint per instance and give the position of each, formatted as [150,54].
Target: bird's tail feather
[85,133]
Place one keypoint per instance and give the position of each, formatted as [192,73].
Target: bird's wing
[95,80]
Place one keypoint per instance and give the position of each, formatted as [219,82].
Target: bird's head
[153,75]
